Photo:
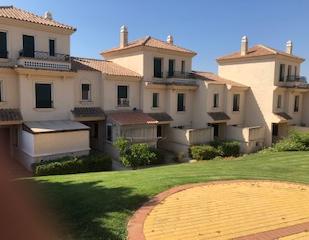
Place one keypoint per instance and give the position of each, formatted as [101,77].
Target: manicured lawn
[98,205]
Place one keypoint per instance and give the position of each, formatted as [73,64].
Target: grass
[98,205]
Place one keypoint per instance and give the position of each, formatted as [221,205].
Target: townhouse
[53,104]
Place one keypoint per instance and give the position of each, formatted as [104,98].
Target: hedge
[69,165]
[204,152]
[296,141]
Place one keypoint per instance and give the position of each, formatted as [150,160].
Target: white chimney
[244,46]
[170,39]
[289,47]
[48,15]
[123,36]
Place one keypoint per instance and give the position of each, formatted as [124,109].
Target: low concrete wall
[299,129]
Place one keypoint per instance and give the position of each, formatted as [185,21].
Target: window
[236,101]
[122,96]
[282,72]
[296,103]
[1,92]
[109,132]
[295,70]
[289,71]
[171,64]
[28,46]
[275,129]
[43,95]
[159,131]
[216,100]
[279,101]
[157,67]
[86,96]
[183,66]
[181,102]
[155,100]
[51,47]
[3,45]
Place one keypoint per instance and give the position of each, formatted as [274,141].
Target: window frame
[5,56]
[281,72]
[128,97]
[236,108]
[23,46]
[157,100]
[296,103]
[89,93]
[183,66]
[51,95]
[171,67]
[279,101]
[289,72]
[49,52]
[161,67]
[215,100]
[183,107]
[2,98]
[109,139]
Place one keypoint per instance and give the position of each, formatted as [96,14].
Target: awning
[283,116]
[10,116]
[219,116]
[37,127]
[88,113]
[131,118]
[161,117]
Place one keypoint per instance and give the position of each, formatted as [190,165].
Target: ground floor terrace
[113,198]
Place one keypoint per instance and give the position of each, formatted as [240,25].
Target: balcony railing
[123,102]
[295,78]
[184,75]
[3,54]
[45,56]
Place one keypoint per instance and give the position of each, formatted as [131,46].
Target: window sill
[155,108]
[85,101]
[44,109]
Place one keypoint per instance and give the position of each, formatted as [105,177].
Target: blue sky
[211,28]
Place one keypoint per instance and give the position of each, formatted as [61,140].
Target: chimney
[123,36]
[244,46]
[289,47]
[48,15]
[170,39]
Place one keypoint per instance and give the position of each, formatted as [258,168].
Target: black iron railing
[45,56]
[295,78]
[175,74]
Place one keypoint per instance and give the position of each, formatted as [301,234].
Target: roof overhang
[45,72]
[218,117]
[282,117]
[88,114]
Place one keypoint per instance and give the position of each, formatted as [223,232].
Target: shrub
[296,141]
[229,149]
[204,152]
[69,165]
[135,155]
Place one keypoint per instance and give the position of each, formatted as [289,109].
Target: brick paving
[225,210]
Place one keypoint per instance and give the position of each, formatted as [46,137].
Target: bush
[69,165]
[229,149]
[204,152]
[296,141]
[135,155]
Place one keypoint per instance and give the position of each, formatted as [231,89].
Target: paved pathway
[226,210]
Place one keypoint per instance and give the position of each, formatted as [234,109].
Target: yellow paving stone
[228,210]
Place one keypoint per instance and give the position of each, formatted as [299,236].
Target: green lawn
[98,205]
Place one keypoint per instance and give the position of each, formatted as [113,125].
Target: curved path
[225,210]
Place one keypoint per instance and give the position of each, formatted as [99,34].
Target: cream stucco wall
[15,32]
[9,91]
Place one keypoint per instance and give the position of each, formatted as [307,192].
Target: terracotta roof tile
[211,77]
[106,67]
[161,117]
[131,118]
[256,51]
[151,42]
[219,116]
[8,115]
[88,112]
[12,12]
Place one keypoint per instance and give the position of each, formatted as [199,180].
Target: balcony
[294,81]
[42,60]
[123,102]
[181,75]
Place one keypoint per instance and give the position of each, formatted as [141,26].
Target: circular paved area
[225,210]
